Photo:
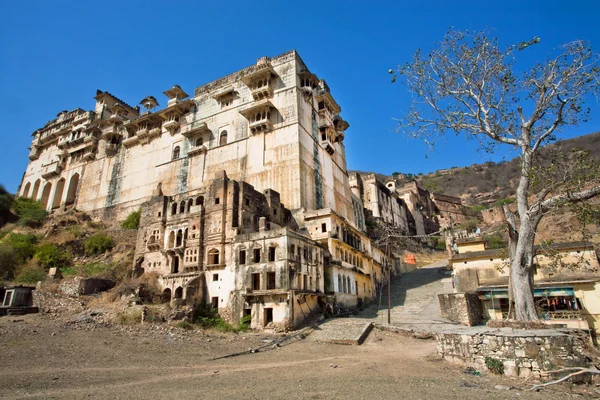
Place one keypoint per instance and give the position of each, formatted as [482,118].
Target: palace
[243,187]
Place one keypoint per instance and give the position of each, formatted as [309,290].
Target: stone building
[382,201]
[243,188]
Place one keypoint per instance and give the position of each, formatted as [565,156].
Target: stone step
[352,331]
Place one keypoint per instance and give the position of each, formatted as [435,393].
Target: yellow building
[567,282]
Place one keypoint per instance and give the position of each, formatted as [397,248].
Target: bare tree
[469,85]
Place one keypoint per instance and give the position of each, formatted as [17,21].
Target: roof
[492,253]
[502,253]
[477,239]
[99,93]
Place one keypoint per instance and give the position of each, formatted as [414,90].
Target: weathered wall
[523,353]
[464,308]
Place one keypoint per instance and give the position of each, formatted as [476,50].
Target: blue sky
[55,54]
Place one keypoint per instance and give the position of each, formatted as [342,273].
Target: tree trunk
[522,270]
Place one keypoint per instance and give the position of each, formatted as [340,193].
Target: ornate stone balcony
[34,152]
[260,80]
[171,125]
[109,131]
[196,150]
[199,129]
[325,118]
[52,169]
[259,116]
[153,243]
[326,141]
[131,141]
[90,154]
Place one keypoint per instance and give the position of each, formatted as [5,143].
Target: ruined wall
[464,308]
[522,353]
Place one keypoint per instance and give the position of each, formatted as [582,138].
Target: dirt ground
[46,358]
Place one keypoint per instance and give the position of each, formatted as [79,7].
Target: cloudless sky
[55,54]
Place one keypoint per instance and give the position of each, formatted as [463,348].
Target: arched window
[25,191]
[199,142]
[175,265]
[176,153]
[190,204]
[213,257]
[179,239]
[58,193]
[182,207]
[171,240]
[166,296]
[179,292]
[199,200]
[174,208]
[73,183]
[185,234]
[36,188]
[223,138]
[340,283]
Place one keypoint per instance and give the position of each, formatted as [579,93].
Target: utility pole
[387,251]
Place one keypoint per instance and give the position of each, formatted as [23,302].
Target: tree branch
[570,198]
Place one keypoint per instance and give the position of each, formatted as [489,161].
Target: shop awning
[502,293]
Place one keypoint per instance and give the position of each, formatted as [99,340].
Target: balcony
[171,125]
[196,150]
[63,142]
[154,132]
[90,139]
[131,141]
[90,154]
[260,125]
[34,153]
[52,169]
[153,244]
[197,130]
[47,137]
[262,88]
[109,131]
[259,116]
[260,80]
[326,141]
[325,118]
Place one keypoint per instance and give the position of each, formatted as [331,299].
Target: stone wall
[521,352]
[464,308]
[493,216]
[84,286]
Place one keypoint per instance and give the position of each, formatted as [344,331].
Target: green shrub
[184,325]
[30,212]
[6,200]
[469,225]
[97,244]
[31,274]
[494,365]
[23,245]
[50,256]
[7,261]
[495,242]
[441,243]
[132,221]
[208,317]
[501,202]
[244,324]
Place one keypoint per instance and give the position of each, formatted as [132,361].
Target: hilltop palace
[246,202]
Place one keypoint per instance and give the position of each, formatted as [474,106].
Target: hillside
[489,182]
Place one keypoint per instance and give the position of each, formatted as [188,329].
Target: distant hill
[489,182]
